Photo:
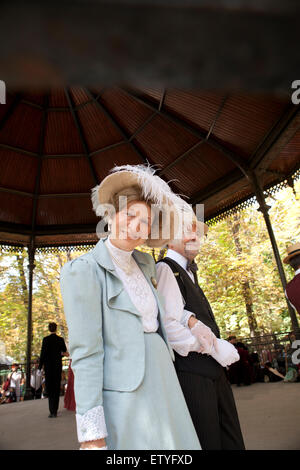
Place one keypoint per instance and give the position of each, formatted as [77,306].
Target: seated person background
[271,374]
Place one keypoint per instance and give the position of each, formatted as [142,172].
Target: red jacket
[293,292]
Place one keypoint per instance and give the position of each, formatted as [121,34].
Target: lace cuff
[91,425]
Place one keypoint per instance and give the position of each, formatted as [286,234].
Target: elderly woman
[126,390]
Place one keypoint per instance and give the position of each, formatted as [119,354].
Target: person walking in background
[22,388]
[245,374]
[63,383]
[2,395]
[69,401]
[15,381]
[242,371]
[255,361]
[36,380]
[53,348]
[232,339]
[44,391]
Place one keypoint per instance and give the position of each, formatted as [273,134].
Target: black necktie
[192,266]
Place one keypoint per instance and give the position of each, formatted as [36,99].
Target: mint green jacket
[106,336]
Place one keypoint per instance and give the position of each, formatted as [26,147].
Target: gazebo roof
[56,145]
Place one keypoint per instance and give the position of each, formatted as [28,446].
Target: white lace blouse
[136,286]
[91,426]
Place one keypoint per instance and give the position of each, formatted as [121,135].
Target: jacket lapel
[117,296]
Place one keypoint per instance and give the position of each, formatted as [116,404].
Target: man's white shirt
[15,379]
[176,316]
[36,379]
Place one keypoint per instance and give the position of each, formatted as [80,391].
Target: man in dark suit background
[53,348]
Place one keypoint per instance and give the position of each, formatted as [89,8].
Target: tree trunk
[54,297]
[20,265]
[69,254]
[245,283]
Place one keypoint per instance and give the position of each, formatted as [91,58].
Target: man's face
[189,245]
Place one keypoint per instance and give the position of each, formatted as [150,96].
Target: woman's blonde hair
[133,193]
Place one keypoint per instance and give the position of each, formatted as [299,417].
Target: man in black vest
[53,348]
[193,334]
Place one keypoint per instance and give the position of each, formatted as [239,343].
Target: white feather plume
[153,187]
[95,200]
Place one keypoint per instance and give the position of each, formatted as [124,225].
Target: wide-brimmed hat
[293,250]
[154,190]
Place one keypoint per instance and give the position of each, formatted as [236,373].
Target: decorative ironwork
[224,214]
[230,211]
[11,249]
[64,248]
[227,212]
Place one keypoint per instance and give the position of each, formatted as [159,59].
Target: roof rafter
[39,169]
[197,144]
[16,100]
[236,159]
[81,136]
[276,139]
[104,110]
[284,138]
[216,186]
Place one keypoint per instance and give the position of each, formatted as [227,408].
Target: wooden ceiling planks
[201,140]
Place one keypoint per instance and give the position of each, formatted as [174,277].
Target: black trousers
[36,393]
[212,408]
[52,382]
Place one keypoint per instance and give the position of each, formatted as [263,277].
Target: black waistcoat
[196,302]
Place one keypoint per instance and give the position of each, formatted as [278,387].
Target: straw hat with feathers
[154,190]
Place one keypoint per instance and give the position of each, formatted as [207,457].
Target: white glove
[205,336]
[225,353]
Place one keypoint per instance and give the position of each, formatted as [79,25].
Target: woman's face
[131,226]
